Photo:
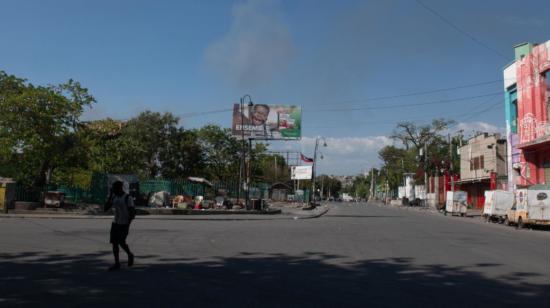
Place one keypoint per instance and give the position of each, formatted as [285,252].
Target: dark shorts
[119,233]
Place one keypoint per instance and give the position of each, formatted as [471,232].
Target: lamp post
[242,169]
[313,173]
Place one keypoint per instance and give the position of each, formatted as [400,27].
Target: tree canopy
[43,139]
[38,126]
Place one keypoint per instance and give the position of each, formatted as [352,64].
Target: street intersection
[356,255]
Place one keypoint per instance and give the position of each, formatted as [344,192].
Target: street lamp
[242,169]
[312,198]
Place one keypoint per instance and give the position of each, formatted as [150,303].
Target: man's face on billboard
[259,116]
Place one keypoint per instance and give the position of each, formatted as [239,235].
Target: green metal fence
[98,190]
[174,187]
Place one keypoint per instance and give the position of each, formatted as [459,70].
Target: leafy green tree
[222,153]
[271,167]
[151,132]
[37,126]
[183,155]
[328,185]
[411,157]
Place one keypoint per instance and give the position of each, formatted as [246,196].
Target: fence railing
[98,190]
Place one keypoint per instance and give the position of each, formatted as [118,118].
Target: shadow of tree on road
[256,280]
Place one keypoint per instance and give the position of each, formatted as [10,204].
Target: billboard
[301,172]
[267,122]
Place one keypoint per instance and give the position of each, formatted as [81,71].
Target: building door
[546,167]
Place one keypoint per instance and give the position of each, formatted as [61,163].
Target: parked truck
[532,207]
[497,204]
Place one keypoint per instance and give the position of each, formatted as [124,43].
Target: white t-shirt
[120,207]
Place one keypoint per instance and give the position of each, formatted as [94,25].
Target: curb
[321,213]
[197,217]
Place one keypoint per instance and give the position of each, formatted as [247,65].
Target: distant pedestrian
[124,209]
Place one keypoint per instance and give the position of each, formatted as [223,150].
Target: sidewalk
[471,213]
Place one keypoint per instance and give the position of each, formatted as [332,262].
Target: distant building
[482,167]
[346,180]
[526,85]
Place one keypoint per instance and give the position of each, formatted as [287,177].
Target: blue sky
[194,56]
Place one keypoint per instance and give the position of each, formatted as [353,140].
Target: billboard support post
[262,122]
[249,174]
[242,169]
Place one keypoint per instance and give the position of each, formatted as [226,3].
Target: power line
[420,92]
[201,113]
[461,117]
[463,32]
[378,98]
[407,105]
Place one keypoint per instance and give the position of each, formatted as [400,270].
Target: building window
[547,77]
[514,123]
[512,97]
[481,162]
[476,163]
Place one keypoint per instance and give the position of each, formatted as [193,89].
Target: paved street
[355,255]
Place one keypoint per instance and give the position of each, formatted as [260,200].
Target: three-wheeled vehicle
[497,204]
[532,207]
[457,203]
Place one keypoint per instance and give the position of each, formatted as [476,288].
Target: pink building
[526,84]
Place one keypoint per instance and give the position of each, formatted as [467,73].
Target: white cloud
[471,128]
[342,155]
[349,145]
[257,46]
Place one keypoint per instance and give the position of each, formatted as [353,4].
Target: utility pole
[426,167]
[275,179]
[313,173]
[371,182]
[312,194]
[451,164]
[387,187]
[322,186]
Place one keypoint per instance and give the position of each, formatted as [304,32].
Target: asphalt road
[354,256]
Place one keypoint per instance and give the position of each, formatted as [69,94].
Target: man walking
[123,206]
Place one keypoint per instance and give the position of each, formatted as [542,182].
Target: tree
[411,134]
[271,167]
[152,133]
[183,155]
[397,161]
[328,185]
[410,158]
[150,145]
[37,125]
[222,153]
